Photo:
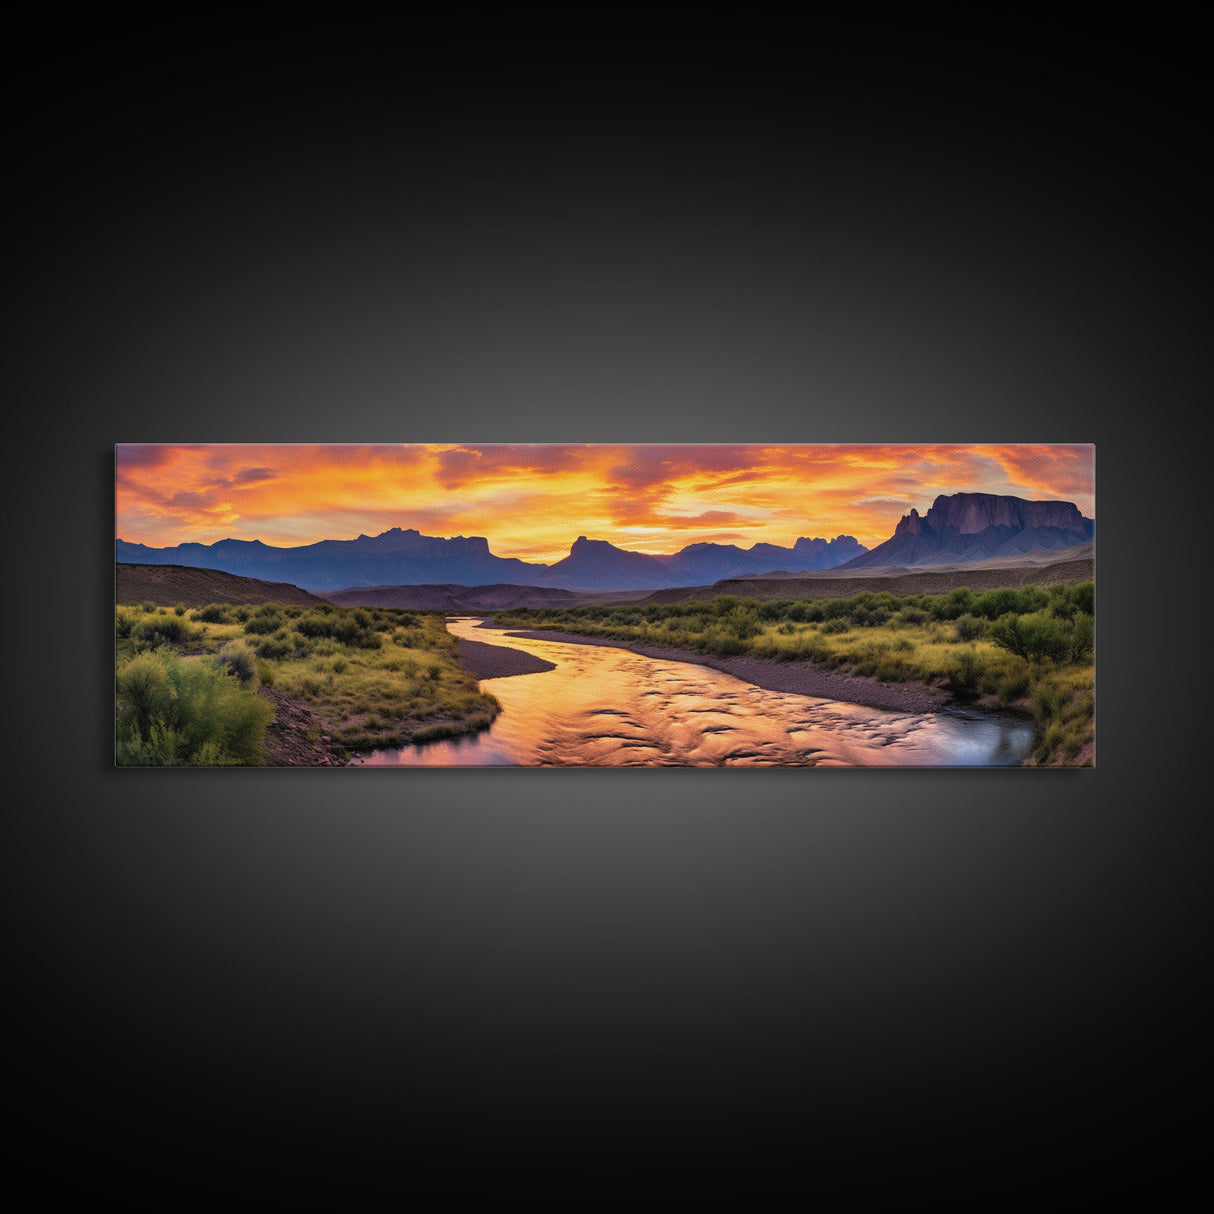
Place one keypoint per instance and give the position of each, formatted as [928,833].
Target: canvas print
[604,605]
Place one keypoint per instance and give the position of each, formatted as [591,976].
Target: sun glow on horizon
[532,500]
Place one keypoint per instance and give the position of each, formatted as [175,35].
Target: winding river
[603,707]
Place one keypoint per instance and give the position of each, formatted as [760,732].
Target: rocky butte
[977,526]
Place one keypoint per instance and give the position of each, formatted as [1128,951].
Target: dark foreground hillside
[168,585]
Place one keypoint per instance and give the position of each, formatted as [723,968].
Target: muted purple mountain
[977,526]
[407,558]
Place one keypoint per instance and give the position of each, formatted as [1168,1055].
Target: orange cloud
[533,500]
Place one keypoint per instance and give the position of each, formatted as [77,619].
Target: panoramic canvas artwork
[604,605]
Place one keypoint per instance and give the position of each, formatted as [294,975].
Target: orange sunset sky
[533,500]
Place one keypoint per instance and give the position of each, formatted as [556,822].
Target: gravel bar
[497,661]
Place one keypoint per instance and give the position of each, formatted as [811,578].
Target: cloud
[532,499]
[709,518]
[252,476]
[460,466]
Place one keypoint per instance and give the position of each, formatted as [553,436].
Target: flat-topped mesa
[969,513]
[582,544]
[969,527]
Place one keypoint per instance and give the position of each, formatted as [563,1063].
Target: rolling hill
[168,585]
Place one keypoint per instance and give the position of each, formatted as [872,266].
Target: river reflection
[604,707]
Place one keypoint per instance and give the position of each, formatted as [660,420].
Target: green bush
[1082,637]
[124,621]
[237,657]
[969,627]
[723,644]
[264,621]
[743,621]
[213,613]
[179,712]
[273,647]
[1032,637]
[153,631]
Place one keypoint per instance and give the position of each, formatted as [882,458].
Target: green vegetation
[1028,649]
[178,712]
[188,684]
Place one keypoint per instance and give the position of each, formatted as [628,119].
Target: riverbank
[797,678]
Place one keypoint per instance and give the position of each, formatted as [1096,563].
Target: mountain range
[958,529]
[407,558]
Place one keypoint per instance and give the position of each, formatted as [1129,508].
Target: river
[604,707]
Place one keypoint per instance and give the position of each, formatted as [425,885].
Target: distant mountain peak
[403,556]
[960,527]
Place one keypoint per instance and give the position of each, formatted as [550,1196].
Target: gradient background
[861,984]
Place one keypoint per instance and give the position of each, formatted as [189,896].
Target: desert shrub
[1032,637]
[124,621]
[265,674]
[723,644]
[969,627]
[869,617]
[834,626]
[963,674]
[742,621]
[1063,722]
[891,670]
[273,647]
[237,657]
[1014,686]
[265,620]
[145,694]
[991,604]
[950,606]
[1046,637]
[766,647]
[173,711]
[153,631]
[213,613]
[1082,637]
